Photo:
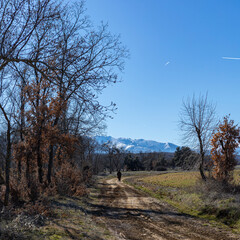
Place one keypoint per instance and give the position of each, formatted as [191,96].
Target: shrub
[161,169]
[69,181]
[224,143]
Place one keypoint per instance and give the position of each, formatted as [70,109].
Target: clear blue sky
[191,36]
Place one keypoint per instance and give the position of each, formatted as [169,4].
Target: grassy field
[178,180]
[181,179]
[186,192]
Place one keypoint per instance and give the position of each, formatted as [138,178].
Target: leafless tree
[19,22]
[115,156]
[88,61]
[6,115]
[45,39]
[197,122]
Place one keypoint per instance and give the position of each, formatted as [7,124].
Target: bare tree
[47,40]
[115,156]
[197,121]
[54,64]
[88,61]
[6,111]
[19,22]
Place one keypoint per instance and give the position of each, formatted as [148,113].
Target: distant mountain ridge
[137,145]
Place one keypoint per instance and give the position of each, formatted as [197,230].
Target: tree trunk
[202,163]
[8,163]
[19,169]
[39,157]
[50,157]
[28,171]
[39,162]
[202,172]
[202,159]
[22,124]
[8,157]
[111,165]
[50,164]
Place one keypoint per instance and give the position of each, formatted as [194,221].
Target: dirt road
[130,214]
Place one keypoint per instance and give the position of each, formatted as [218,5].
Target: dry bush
[2,194]
[67,180]
[70,181]
[215,188]
[41,207]
[220,199]
[21,191]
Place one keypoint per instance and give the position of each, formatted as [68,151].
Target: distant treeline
[114,159]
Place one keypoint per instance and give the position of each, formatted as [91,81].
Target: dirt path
[133,215]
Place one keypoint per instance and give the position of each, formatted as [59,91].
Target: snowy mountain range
[137,145]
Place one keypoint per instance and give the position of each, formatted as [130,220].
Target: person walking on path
[119,175]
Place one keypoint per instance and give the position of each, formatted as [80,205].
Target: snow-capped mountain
[137,145]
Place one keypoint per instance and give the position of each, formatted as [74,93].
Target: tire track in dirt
[132,215]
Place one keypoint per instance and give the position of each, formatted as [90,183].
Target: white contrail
[231,58]
[166,63]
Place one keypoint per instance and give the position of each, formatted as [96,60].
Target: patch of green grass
[227,215]
[55,237]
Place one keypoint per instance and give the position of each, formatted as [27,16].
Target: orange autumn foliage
[43,106]
[224,143]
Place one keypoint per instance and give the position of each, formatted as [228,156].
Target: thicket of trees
[133,163]
[185,158]
[154,161]
[53,66]
[110,160]
[201,130]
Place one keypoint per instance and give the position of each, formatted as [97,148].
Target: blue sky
[191,36]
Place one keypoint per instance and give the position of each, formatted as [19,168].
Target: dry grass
[236,176]
[70,218]
[181,179]
[185,190]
